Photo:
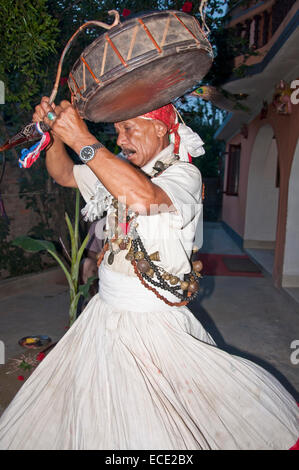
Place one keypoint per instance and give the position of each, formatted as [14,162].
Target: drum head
[139,66]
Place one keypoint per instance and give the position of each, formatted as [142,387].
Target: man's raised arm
[120,178]
[58,162]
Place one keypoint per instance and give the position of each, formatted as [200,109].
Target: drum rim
[130,21]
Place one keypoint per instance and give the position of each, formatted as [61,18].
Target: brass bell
[173,280]
[166,276]
[197,265]
[130,255]
[139,255]
[150,272]
[193,287]
[184,285]
[155,256]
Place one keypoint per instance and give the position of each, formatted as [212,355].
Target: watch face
[87,153]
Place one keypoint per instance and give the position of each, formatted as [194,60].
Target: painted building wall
[234,213]
[262,191]
[290,276]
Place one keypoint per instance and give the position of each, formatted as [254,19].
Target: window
[233,170]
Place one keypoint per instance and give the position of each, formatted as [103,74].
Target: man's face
[141,139]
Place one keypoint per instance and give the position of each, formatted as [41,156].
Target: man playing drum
[137,370]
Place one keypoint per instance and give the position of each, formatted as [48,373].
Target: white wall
[262,194]
[291,255]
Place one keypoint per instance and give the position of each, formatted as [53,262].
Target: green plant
[71,272]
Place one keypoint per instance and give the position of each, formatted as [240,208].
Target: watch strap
[97,146]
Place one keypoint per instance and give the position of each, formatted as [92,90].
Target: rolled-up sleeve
[86,181]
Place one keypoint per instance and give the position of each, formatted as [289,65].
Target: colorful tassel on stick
[29,156]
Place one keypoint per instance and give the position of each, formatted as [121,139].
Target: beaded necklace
[143,263]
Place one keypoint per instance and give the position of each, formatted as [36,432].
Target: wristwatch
[88,152]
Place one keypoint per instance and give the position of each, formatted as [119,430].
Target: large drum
[139,65]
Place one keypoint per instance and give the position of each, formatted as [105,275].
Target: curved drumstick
[83,26]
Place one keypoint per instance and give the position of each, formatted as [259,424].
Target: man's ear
[161,128]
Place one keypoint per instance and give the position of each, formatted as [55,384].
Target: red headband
[168,116]
[165,114]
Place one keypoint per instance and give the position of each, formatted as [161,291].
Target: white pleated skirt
[133,373]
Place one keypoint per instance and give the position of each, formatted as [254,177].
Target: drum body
[139,65]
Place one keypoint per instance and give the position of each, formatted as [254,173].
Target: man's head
[141,139]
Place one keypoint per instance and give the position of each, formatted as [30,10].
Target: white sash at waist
[128,293]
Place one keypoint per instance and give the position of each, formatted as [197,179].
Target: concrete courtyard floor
[29,305]
[247,316]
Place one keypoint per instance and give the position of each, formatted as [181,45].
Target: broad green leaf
[72,237]
[77,213]
[76,266]
[73,308]
[33,245]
